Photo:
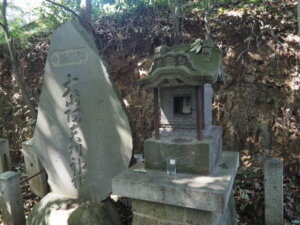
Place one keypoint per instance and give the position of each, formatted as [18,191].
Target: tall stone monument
[82,136]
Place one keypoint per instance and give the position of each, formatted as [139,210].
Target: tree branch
[86,10]
[64,7]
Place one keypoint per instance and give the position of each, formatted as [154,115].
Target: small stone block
[273,192]
[198,157]
[5,161]
[191,157]
[11,202]
[38,184]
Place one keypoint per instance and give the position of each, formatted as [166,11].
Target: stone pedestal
[187,199]
[151,213]
[199,157]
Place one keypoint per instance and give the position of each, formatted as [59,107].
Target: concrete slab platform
[209,193]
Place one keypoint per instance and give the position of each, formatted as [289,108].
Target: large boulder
[57,209]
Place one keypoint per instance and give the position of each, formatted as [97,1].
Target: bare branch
[64,7]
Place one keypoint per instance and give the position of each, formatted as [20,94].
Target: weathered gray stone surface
[152,213]
[38,184]
[55,209]
[167,116]
[169,119]
[199,157]
[11,202]
[208,94]
[82,136]
[229,218]
[5,161]
[273,174]
[209,193]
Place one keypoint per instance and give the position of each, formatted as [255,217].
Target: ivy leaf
[196,46]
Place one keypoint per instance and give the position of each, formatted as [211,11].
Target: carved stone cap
[177,66]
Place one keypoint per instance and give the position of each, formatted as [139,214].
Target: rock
[82,136]
[38,184]
[56,209]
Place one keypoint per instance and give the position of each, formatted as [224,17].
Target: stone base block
[55,209]
[198,157]
[38,184]
[150,213]
[207,193]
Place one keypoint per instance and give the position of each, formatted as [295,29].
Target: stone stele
[82,136]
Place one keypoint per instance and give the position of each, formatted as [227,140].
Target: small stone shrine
[199,190]
[82,137]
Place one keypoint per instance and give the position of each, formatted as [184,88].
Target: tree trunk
[298,14]
[86,10]
[14,62]
[174,7]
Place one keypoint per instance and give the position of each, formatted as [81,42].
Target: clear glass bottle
[171,166]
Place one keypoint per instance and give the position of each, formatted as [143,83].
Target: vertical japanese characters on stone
[73,112]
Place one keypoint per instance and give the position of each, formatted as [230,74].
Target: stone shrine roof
[177,66]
